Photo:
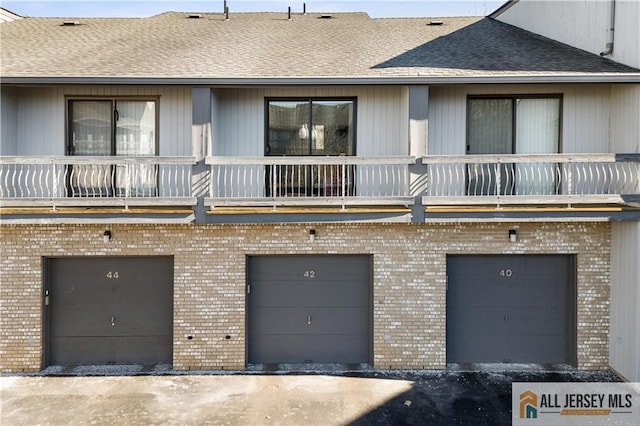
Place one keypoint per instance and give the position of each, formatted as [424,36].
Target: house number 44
[113,275]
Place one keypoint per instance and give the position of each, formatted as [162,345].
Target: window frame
[505,168]
[310,100]
[514,98]
[111,189]
[114,100]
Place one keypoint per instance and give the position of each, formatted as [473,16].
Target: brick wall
[209,303]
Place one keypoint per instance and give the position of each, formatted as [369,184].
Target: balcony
[86,181]
[309,181]
[310,184]
[533,180]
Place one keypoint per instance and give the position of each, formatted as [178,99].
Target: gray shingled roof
[257,46]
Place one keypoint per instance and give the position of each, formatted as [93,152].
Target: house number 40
[506,272]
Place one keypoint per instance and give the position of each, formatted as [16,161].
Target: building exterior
[218,191]
[7,15]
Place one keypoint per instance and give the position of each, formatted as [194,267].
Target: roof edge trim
[298,81]
[499,11]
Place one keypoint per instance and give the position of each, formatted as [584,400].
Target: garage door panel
[305,321]
[94,323]
[511,308]
[72,350]
[309,308]
[139,325]
[74,294]
[517,350]
[110,309]
[310,293]
[479,292]
[142,349]
[520,320]
[531,266]
[144,299]
[329,268]
[305,348]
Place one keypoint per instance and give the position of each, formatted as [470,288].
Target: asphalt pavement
[164,397]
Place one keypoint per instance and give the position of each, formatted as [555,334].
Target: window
[112,127]
[513,125]
[310,127]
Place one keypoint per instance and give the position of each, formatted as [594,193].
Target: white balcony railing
[322,181]
[96,181]
[532,179]
[318,181]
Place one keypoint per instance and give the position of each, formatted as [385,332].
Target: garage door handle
[309,319]
[113,321]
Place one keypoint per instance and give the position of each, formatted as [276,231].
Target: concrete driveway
[360,398]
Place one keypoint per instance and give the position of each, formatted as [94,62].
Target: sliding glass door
[310,127]
[112,127]
[513,125]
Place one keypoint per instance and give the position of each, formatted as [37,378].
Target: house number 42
[309,274]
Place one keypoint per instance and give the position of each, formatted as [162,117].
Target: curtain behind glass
[490,126]
[537,132]
[490,130]
[90,130]
[135,128]
[537,126]
[135,136]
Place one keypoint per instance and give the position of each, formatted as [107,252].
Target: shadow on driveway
[465,398]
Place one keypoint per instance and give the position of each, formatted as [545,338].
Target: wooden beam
[306,210]
[6,211]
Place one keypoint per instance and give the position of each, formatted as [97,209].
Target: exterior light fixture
[513,235]
[312,235]
[106,237]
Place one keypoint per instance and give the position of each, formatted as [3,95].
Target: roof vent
[194,16]
[70,23]
[436,23]
[326,16]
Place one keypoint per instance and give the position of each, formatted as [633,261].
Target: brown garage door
[310,308]
[109,310]
[511,309]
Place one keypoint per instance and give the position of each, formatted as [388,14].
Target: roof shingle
[268,45]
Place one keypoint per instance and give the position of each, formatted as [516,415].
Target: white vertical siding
[382,118]
[9,120]
[585,115]
[580,23]
[447,120]
[41,116]
[41,121]
[625,118]
[624,336]
[239,123]
[626,48]
[584,24]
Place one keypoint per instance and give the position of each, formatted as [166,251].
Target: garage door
[109,310]
[305,309]
[511,308]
